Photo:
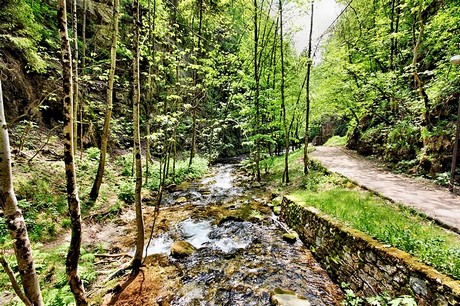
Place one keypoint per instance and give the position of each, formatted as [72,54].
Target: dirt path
[437,203]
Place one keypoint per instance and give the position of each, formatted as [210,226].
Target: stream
[240,258]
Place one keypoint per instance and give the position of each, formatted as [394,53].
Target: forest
[139,97]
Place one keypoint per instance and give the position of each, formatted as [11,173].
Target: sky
[325,12]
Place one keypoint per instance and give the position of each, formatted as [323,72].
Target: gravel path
[437,203]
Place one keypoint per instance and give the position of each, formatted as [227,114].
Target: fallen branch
[114,255]
[282,225]
[101,284]
[14,282]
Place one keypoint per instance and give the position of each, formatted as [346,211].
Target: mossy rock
[277,201]
[283,297]
[181,200]
[277,210]
[182,249]
[290,237]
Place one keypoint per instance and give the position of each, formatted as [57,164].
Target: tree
[15,220]
[257,89]
[73,254]
[195,102]
[137,259]
[307,86]
[283,98]
[108,112]
[75,74]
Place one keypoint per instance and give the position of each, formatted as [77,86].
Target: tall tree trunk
[75,74]
[137,260]
[257,89]
[283,104]
[73,254]
[307,89]
[195,83]
[150,95]
[14,219]
[83,71]
[108,111]
[83,36]
[418,81]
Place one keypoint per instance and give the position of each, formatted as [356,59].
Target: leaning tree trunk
[137,260]
[14,219]
[108,112]
[73,254]
[307,86]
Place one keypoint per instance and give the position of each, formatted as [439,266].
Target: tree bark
[75,74]
[108,111]
[307,89]
[418,81]
[73,254]
[257,90]
[283,104]
[195,82]
[137,260]
[14,219]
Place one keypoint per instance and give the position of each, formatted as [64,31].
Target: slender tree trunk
[83,66]
[195,82]
[257,90]
[83,36]
[418,81]
[137,260]
[151,34]
[108,111]
[283,104]
[73,254]
[75,74]
[176,33]
[307,87]
[14,218]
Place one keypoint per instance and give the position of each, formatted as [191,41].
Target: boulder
[290,237]
[182,249]
[287,298]
[181,200]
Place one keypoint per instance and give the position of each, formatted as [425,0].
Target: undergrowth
[40,189]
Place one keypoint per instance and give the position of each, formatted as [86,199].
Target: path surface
[437,203]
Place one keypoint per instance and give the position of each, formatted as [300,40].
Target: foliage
[368,73]
[351,299]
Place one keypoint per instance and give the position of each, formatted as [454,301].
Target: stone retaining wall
[368,266]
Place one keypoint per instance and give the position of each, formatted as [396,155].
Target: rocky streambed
[216,242]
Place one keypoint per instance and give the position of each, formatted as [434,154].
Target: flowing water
[241,258]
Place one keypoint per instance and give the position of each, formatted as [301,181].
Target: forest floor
[435,202]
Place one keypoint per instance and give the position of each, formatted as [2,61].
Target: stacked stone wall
[369,267]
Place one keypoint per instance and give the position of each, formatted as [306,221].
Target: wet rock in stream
[240,257]
[182,249]
[243,262]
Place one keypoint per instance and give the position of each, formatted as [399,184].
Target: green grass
[389,223]
[50,265]
[336,141]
